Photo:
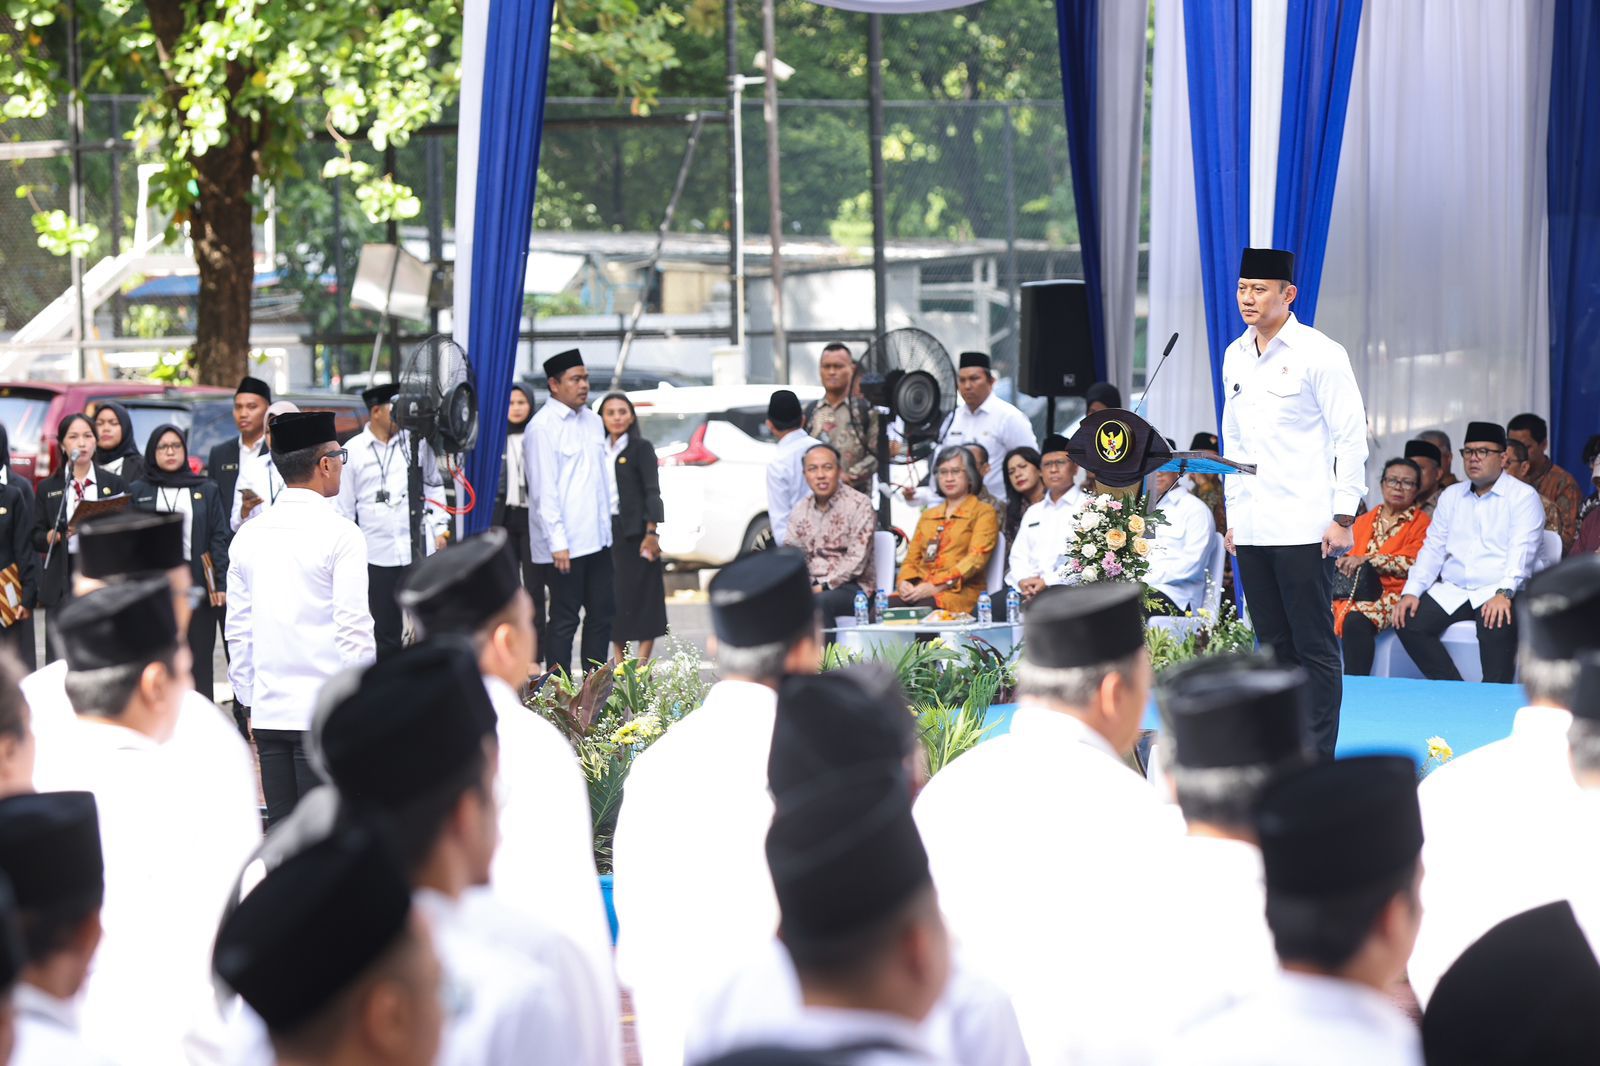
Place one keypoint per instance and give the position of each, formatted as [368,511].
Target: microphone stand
[61,508]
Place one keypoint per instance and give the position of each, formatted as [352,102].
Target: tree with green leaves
[233,89]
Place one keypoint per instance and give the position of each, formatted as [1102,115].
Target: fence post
[1013,337]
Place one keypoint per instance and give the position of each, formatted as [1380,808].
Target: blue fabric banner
[1217,40]
[517,58]
[1078,26]
[1319,55]
[1574,213]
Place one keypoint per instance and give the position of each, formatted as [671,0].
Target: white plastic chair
[1549,551]
[883,560]
[994,578]
[1216,566]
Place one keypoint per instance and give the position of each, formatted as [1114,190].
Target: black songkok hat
[1204,442]
[764,598]
[298,430]
[1341,826]
[1424,449]
[1067,627]
[313,926]
[388,733]
[844,854]
[783,408]
[843,718]
[1485,433]
[1270,264]
[1524,992]
[118,625]
[255,387]
[379,394]
[50,847]
[130,542]
[1055,442]
[1103,392]
[977,359]
[13,951]
[562,362]
[1558,612]
[1234,710]
[1586,693]
[460,588]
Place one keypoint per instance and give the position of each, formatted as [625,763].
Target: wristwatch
[1503,592]
[1345,520]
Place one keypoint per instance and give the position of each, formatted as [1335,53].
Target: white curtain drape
[474,45]
[1120,106]
[1269,27]
[1436,278]
[1180,405]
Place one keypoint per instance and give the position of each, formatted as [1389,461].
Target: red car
[31,411]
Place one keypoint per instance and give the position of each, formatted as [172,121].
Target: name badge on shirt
[622,459]
[197,496]
[105,490]
[228,468]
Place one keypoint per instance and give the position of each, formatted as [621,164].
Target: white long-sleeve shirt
[786,481]
[1296,413]
[568,491]
[998,426]
[1042,537]
[1181,548]
[384,467]
[47,1031]
[297,607]
[1477,544]
[257,474]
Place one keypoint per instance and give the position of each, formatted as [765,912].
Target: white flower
[1090,574]
[1088,551]
[1090,520]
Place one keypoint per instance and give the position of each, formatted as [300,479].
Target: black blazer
[222,467]
[16,536]
[209,533]
[53,580]
[498,518]
[638,489]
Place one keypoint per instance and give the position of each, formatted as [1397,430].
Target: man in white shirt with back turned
[571,503]
[1481,548]
[1042,537]
[297,604]
[1291,407]
[375,494]
[980,418]
[786,479]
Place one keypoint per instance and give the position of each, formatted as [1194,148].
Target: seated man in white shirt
[1480,550]
[1181,545]
[258,481]
[1340,843]
[1042,536]
[786,479]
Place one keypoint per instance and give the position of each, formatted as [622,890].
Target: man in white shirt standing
[1181,545]
[297,604]
[1042,536]
[258,482]
[1481,547]
[786,479]
[980,418]
[1291,406]
[565,449]
[1339,843]
[375,494]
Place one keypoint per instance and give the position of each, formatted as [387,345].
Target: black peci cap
[1338,827]
[977,359]
[1270,264]
[459,589]
[1234,710]
[379,394]
[1067,627]
[763,598]
[1423,449]
[50,847]
[118,625]
[783,408]
[562,362]
[1103,392]
[842,718]
[1558,610]
[299,430]
[1055,442]
[1485,433]
[1204,442]
[130,542]
[254,387]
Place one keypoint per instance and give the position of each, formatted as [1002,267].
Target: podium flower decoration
[1109,540]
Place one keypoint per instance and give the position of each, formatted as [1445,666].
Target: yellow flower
[1115,539]
[1439,749]
[1135,524]
[1141,547]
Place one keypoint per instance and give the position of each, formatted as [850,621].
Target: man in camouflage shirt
[843,420]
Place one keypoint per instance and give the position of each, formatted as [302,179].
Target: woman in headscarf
[169,486]
[21,590]
[511,509]
[114,446]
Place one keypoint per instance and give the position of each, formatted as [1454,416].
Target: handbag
[10,595]
[1363,585]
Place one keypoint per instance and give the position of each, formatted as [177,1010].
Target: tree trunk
[224,249]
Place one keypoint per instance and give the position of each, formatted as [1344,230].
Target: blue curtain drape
[517,59]
[1078,34]
[1319,55]
[1217,42]
[1574,213]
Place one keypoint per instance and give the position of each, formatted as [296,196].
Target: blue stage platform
[1396,715]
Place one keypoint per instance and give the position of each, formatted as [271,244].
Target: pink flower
[1113,569]
[1115,505]
[1110,559]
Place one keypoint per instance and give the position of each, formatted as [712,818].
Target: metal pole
[392,236]
[336,353]
[118,305]
[880,283]
[735,181]
[1013,334]
[435,158]
[75,193]
[780,344]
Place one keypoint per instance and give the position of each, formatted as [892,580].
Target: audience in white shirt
[1042,535]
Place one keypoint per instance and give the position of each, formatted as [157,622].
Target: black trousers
[535,576]
[1360,644]
[388,627]
[1289,595]
[839,603]
[1497,648]
[203,646]
[286,772]
[585,588]
[18,639]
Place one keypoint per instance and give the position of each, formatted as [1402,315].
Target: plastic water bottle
[881,604]
[985,609]
[861,609]
[1013,606]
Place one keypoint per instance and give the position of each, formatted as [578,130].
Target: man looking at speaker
[1291,406]
[844,420]
[980,418]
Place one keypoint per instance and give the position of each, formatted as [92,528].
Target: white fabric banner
[474,44]
[1120,105]
[1436,278]
[1269,25]
[1181,404]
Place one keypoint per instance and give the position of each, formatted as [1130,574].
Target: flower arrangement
[1216,634]
[1109,540]
[1439,753]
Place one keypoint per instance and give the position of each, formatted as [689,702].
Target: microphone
[72,457]
[1171,343]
